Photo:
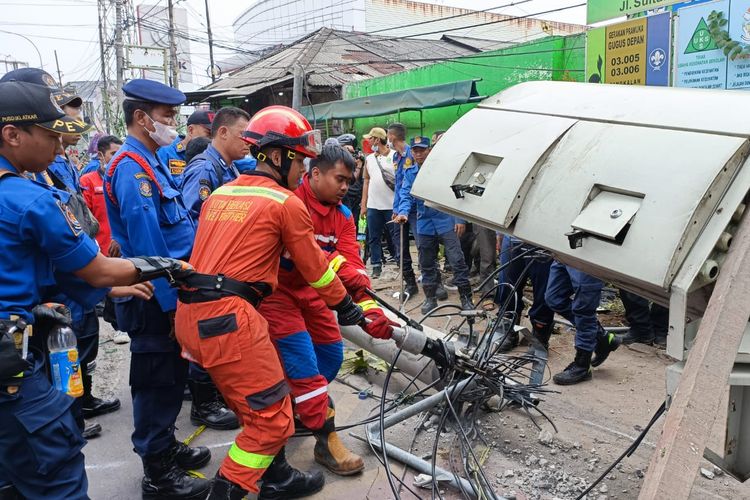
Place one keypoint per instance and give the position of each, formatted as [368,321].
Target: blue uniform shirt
[66,172]
[406,172]
[199,179]
[173,157]
[91,166]
[40,237]
[246,164]
[145,221]
[430,221]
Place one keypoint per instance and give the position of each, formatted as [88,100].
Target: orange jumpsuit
[244,227]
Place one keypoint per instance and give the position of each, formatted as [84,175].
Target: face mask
[389,144]
[163,135]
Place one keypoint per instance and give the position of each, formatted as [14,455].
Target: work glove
[150,268]
[51,314]
[378,324]
[349,313]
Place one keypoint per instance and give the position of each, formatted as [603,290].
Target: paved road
[115,471]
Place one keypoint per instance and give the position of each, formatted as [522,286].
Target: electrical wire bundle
[486,373]
[481,372]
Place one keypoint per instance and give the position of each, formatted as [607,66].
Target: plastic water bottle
[362,228]
[64,362]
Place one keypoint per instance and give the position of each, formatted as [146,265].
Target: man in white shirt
[377,196]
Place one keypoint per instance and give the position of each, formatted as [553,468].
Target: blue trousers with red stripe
[308,340]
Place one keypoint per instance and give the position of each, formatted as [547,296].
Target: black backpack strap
[217,167]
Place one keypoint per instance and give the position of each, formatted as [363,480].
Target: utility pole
[211,69]
[120,60]
[59,75]
[174,64]
[103,56]
[299,78]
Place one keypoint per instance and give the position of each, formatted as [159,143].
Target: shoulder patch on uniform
[204,192]
[344,210]
[176,167]
[145,188]
[408,163]
[73,223]
[142,175]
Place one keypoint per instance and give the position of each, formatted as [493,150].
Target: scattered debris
[545,437]
[707,473]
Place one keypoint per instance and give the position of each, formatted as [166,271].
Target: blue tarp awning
[434,96]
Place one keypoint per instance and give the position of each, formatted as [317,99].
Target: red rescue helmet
[283,127]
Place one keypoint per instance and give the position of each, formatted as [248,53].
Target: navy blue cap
[41,77]
[24,103]
[141,89]
[420,142]
[201,117]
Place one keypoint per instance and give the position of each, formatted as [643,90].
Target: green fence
[553,58]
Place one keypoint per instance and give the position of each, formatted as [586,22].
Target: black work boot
[281,480]
[542,333]
[634,336]
[465,294]
[224,489]
[410,280]
[91,430]
[92,406]
[441,293]
[430,301]
[188,458]
[376,272]
[209,409]
[605,344]
[577,371]
[164,480]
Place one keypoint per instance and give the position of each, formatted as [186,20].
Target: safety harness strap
[141,163]
[210,287]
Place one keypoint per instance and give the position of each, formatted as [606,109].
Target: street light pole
[41,65]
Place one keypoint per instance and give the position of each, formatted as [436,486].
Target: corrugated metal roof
[332,58]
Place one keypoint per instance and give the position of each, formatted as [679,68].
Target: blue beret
[420,142]
[151,91]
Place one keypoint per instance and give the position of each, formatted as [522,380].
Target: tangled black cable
[484,373]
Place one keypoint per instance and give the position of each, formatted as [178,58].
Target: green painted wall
[554,58]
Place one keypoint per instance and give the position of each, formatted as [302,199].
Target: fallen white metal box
[640,186]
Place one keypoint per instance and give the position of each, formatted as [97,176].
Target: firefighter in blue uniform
[62,174]
[44,246]
[215,166]
[172,155]
[404,206]
[206,172]
[148,216]
[435,228]
[575,296]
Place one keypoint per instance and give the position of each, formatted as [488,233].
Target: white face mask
[163,135]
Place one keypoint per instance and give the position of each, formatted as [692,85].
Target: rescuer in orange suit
[244,227]
[302,328]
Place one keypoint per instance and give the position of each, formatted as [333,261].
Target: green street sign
[601,10]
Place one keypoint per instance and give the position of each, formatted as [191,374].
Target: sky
[70,28]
